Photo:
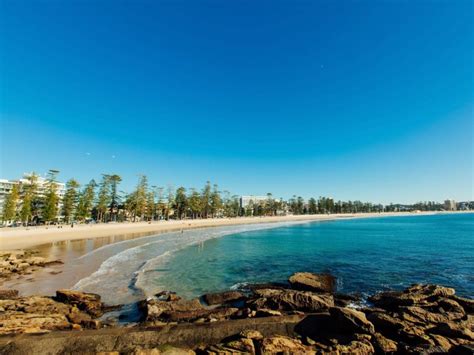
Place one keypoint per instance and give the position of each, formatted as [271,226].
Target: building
[450,205]
[248,200]
[5,189]
[42,185]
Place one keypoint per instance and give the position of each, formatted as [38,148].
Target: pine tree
[114,197]
[29,196]
[216,201]
[11,204]
[195,203]
[181,202]
[70,200]
[206,200]
[51,199]
[86,201]
[103,198]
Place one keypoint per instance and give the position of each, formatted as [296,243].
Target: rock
[78,317]
[283,344]
[16,323]
[244,345]
[342,300]
[355,347]
[422,316]
[167,296]
[307,281]
[453,330]
[415,335]
[87,302]
[383,345]
[351,321]
[188,316]
[466,303]
[414,295]
[290,300]
[23,266]
[423,291]
[451,306]
[222,297]
[251,334]
[8,294]
[153,308]
[267,313]
[385,324]
[441,342]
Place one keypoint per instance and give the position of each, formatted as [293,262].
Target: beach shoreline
[29,237]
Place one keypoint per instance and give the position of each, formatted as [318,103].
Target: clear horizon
[368,101]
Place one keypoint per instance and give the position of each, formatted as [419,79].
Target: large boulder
[291,300]
[222,297]
[351,321]
[414,295]
[307,281]
[155,309]
[87,302]
[383,345]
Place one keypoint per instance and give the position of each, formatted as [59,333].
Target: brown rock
[251,334]
[78,317]
[283,344]
[422,316]
[385,324]
[351,321]
[290,300]
[453,330]
[355,347]
[8,294]
[154,308]
[188,316]
[307,281]
[222,297]
[87,302]
[414,295]
[17,322]
[244,345]
[441,342]
[383,345]
[466,303]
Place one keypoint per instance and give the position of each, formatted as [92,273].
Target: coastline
[24,238]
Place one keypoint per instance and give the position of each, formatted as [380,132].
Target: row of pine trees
[103,201]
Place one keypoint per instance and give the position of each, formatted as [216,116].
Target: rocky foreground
[303,316]
[16,264]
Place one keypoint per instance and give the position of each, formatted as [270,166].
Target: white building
[5,189]
[42,184]
[247,200]
[450,205]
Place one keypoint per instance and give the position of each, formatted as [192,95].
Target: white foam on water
[124,277]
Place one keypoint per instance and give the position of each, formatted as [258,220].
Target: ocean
[366,255]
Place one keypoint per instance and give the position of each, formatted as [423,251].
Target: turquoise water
[366,255]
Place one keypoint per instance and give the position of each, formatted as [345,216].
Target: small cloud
[88,153]
[113,156]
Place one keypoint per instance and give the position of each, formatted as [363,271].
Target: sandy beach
[20,238]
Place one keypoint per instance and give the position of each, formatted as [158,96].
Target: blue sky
[355,100]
